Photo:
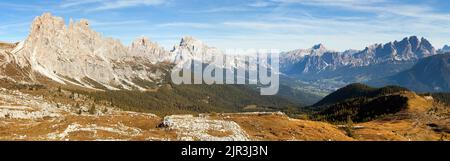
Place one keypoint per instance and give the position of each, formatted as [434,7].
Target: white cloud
[259,4]
[14,25]
[186,24]
[128,3]
[100,5]
[257,25]
[20,7]
[97,23]
[73,3]
[378,7]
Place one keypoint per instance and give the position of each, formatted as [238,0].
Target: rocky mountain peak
[414,41]
[319,47]
[191,48]
[372,47]
[144,47]
[191,42]
[46,23]
[444,49]
[142,42]
[318,50]
[425,43]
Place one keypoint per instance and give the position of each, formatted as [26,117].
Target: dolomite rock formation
[144,48]
[77,55]
[193,49]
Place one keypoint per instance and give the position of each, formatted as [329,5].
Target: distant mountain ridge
[444,49]
[431,74]
[329,70]
[319,59]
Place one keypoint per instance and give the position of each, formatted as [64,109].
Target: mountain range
[76,58]
[76,55]
[331,70]
[319,60]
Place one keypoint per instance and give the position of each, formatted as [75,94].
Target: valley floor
[28,117]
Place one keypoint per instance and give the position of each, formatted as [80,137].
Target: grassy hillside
[443,98]
[175,99]
[357,90]
[360,103]
[363,109]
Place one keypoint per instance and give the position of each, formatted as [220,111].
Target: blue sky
[274,24]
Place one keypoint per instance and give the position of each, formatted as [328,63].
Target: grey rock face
[75,54]
[444,49]
[319,59]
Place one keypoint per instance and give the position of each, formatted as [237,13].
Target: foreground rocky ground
[28,117]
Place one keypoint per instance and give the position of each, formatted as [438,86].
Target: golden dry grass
[411,124]
[5,45]
[217,133]
[401,130]
[124,126]
[272,127]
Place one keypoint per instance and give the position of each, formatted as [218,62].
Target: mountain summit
[408,49]
[444,49]
[143,47]
[191,48]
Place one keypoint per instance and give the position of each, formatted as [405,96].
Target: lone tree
[92,110]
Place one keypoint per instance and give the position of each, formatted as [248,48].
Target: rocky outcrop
[191,128]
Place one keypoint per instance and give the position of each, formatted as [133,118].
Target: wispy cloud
[14,25]
[101,5]
[258,25]
[260,4]
[97,23]
[222,10]
[72,3]
[20,7]
[378,7]
[186,24]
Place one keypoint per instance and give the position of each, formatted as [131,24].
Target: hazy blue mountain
[430,74]
[444,49]
[337,69]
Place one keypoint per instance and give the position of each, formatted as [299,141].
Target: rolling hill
[362,103]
